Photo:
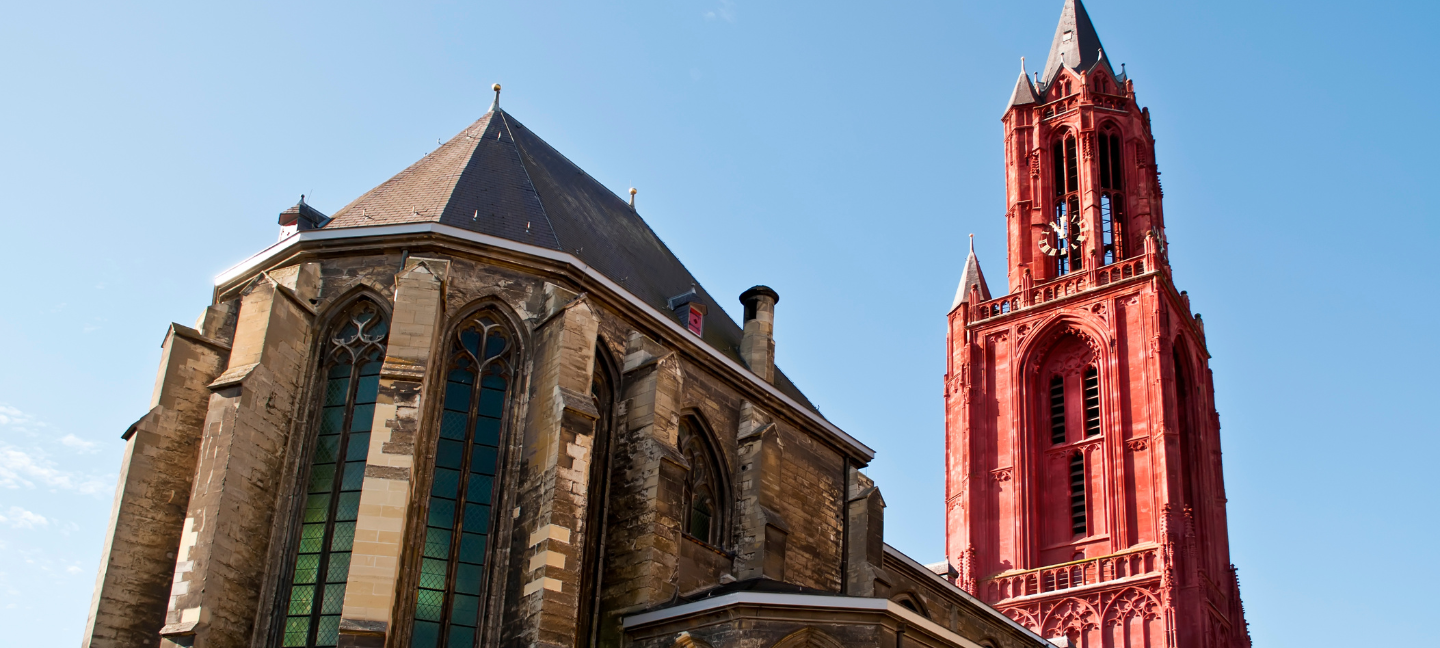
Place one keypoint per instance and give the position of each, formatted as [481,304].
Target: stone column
[763,532]
[553,483]
[647,479]
[385,493]
[865,527]
[156,474]
[220,566]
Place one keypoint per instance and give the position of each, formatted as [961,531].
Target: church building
[1085,496]
[484,405]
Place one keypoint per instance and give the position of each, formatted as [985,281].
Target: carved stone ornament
[1137,445]
[1035,163]
[1087,142]
[1001,475]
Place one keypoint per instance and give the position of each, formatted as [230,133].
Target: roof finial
[632,197]
[302,199]
[972,243]
[1022,65]
[496,105]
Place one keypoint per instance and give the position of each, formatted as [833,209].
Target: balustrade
[1071,575]
[1064,286]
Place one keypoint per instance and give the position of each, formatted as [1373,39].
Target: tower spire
[971,276]
[1076,44]
[1024,93]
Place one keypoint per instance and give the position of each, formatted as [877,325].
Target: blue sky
[839,152]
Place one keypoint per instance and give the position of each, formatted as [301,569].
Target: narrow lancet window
[1057,410]
[1066,223]
[1092,402]
[448,605]
[337,467]
[1077,494]
[701,489]
[1112,202]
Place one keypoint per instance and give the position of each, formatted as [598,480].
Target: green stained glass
[432,574]
[331,420]
[312,538]
[449,453]
[322,478]
[327,632]
[464,609]
[327,449]
[370,369]
[363,418]
[470,338]
[301,599]
[317,507]
[358,448]
[354,475]
[334,599]
[461,636]
[487,430]
[482,460]
[462,376]
[348,506]
[477,518]
[307,568]
[452,425]
[426,635]
[437,543]
[335,389]
[344,536]
[339,568]
[472,547]
[457,397]
[367,389]
[480,489]
[297,630]
[494,346]
[429,604]
[468,578]
[493,381]
[447,483]
[340,371]
[442,513]
[492,402]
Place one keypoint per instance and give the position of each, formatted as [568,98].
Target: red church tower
[1084,493]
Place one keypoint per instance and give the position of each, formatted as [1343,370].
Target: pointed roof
[303,216]
[971,276]
[1076,44]
[1024,93]
[497,177]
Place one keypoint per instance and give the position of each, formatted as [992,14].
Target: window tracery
[1066,222]
[702,494]
[351,367]
[1112,199]
[456,555]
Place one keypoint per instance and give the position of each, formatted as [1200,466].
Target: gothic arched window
[449,600]
[351,369]
[1112,201]
[1066,221]
[1091,387]
[702,493]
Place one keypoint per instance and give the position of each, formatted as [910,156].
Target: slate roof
[1024,93]
[497,177]
[1081,50]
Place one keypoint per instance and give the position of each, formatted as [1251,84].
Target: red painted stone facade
[1085,496]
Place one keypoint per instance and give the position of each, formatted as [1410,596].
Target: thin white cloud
[20,518]
[21,469]
[725,12]
[77,444]
[14,419]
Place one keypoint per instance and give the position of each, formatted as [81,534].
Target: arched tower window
[1112,198]
[351,370]
[702,494]
[448,605]
[1057,410]
[1077,494]
[1066,221]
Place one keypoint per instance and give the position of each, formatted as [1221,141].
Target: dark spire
[970,277]
[1024,92]
[1076,44]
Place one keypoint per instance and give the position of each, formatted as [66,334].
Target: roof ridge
[515,144]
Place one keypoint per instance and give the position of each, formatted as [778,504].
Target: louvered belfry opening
[1092,402]
[1077,494]
[1057,410]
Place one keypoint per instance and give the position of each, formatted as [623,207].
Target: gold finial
[496,105]
[495,87]
[632,197]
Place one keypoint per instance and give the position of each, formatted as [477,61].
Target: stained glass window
[449,600]
[351,373]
